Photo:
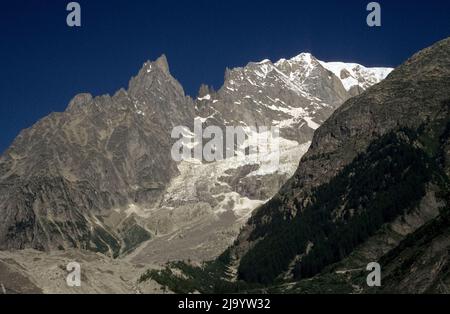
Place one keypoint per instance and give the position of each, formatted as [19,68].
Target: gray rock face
[297,95]
[62,175]
[100,176]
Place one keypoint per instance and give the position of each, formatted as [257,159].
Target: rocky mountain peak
[153,77]
[162,64]
[204,91]
[79,101]
[304,57]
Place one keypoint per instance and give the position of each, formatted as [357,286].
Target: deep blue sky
[44,63]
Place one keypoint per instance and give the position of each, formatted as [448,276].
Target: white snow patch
[207,97]
[264,61]
[313,125]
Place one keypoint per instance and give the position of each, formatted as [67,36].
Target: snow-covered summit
[353,74]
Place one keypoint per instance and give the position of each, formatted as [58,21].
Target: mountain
[374,186]
[210,201]
[296,95]
[100,175]
[375,177]
[63,178]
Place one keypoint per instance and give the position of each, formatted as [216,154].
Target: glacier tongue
[204,207]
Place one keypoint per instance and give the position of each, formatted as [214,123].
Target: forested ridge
[382,183]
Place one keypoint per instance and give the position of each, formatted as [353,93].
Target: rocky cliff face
[60,177]
[296,95]
[376,171]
